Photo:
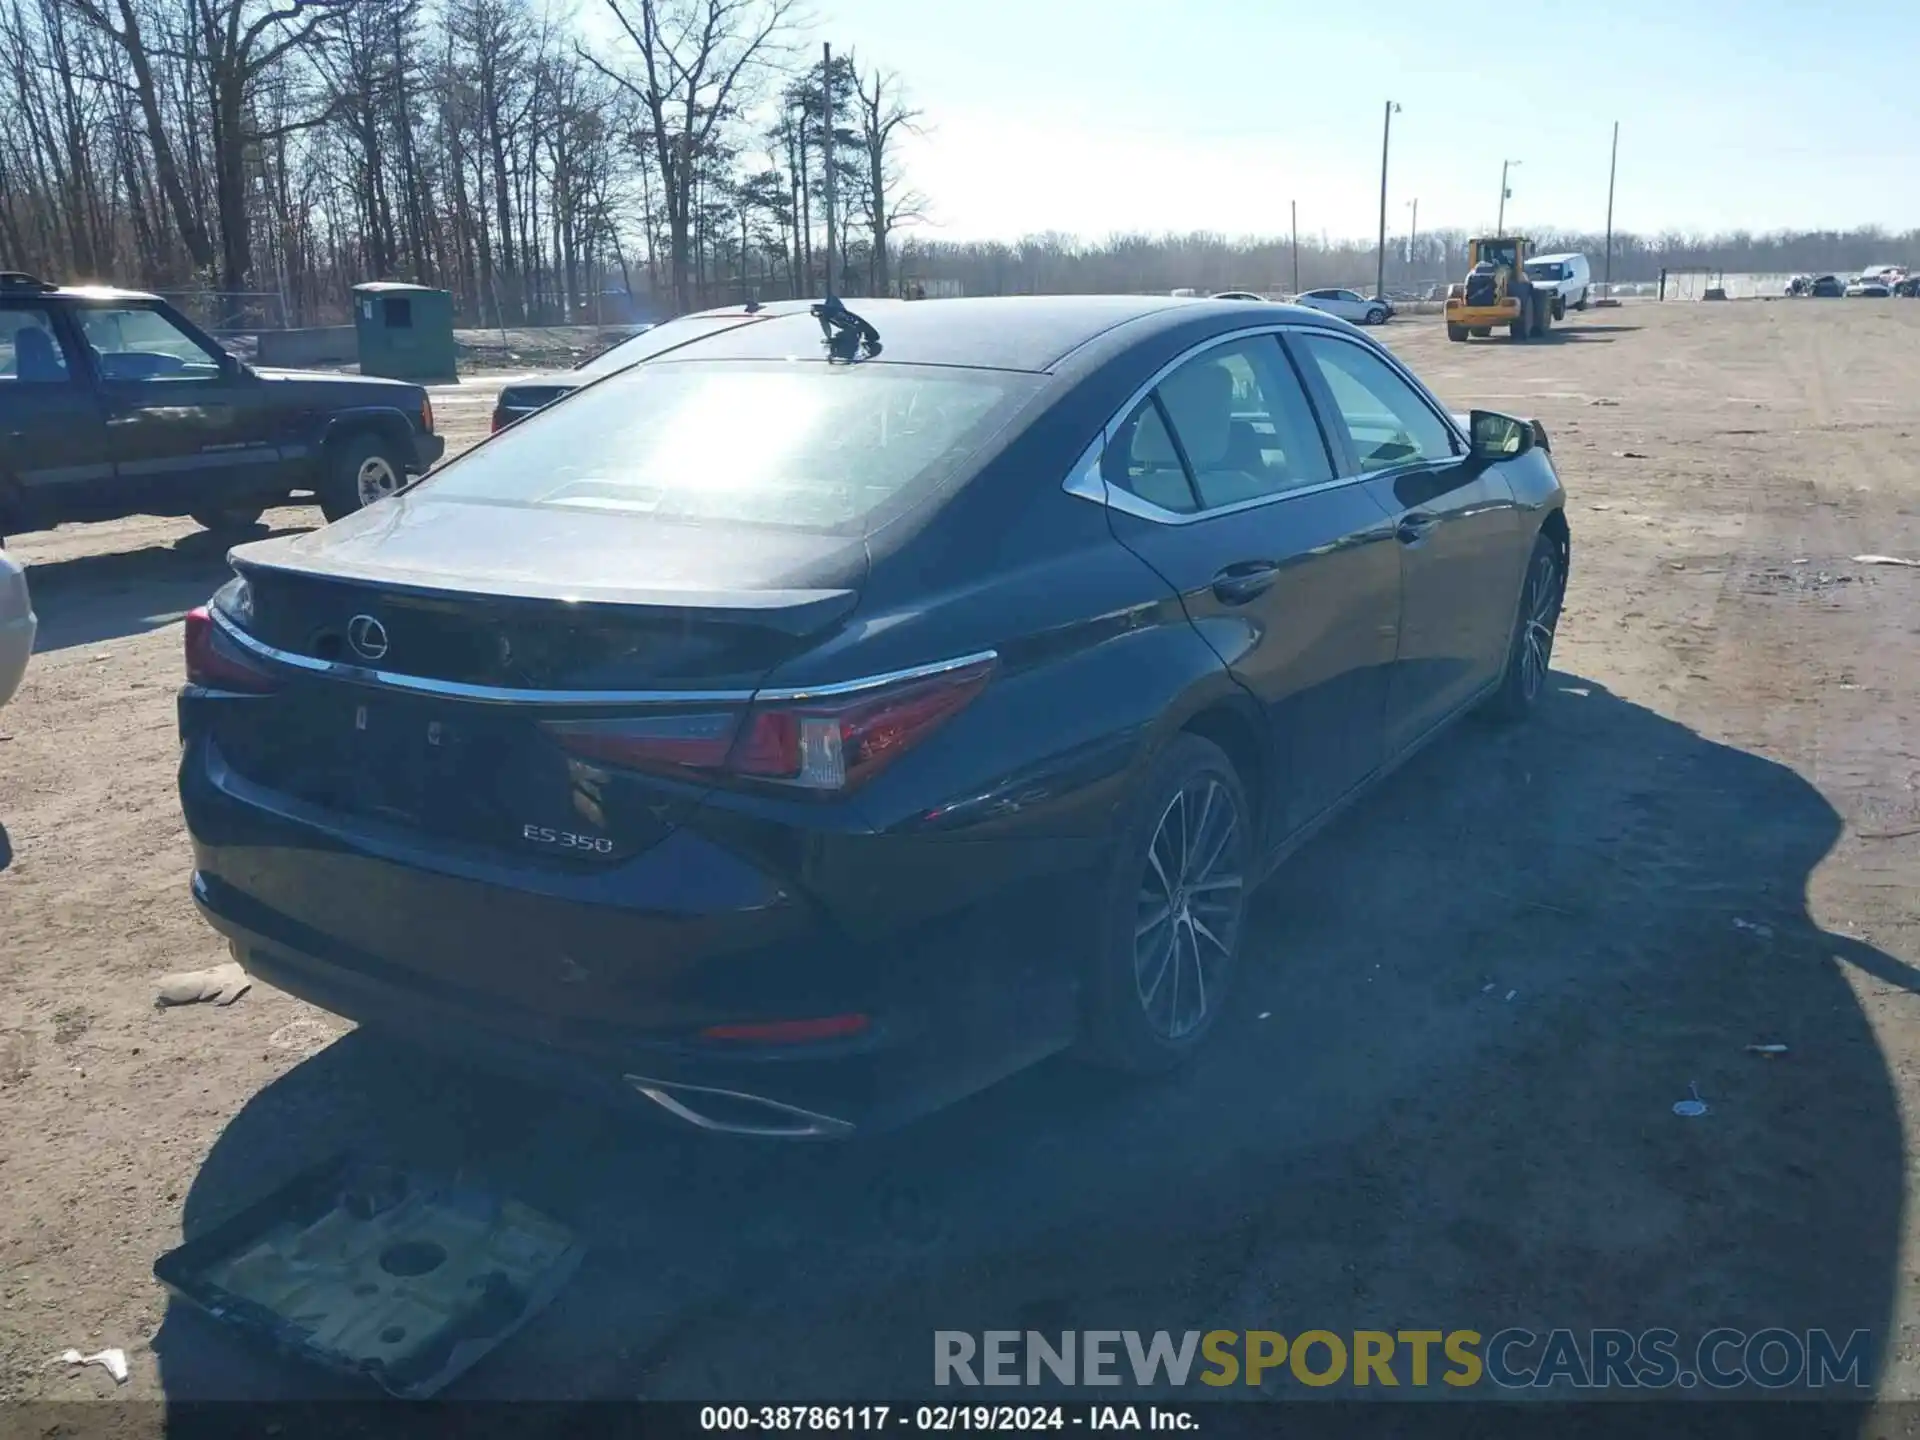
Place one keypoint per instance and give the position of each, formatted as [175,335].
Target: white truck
[1569,277]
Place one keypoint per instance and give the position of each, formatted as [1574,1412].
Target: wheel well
[1237,736]
[391,428]
[1554,527]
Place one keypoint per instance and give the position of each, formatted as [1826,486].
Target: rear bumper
[603,987]
[427,450]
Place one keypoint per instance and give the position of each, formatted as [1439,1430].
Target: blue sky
[1093,117]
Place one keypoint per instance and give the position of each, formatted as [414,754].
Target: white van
[1568,275]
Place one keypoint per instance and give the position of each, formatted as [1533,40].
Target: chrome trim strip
[1086,482]
[787,694]
[506,695]
[812,1124]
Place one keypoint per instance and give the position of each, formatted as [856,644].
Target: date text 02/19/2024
[938,1419]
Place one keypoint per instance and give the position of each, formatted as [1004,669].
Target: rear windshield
[795,445]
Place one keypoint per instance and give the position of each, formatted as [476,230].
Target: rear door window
[30,349]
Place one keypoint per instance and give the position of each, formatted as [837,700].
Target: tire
[360,469]
[1522,326]
[1530,648]
[1143,1019]
[1581,303]
[1559,307]
[1456,332]
[1376,316]
[1542,316]
[228,519]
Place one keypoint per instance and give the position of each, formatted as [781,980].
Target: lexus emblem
[367,636]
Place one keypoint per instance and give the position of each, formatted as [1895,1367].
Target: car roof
[1024,332]
[1562,257]
[44,293]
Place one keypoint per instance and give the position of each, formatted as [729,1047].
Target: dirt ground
[1444,1097]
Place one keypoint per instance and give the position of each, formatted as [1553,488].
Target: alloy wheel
[1541,614]
[375,479]
[1190,901]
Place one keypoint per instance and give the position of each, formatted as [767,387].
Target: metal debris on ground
[1688,1109]
[1765,932]
[1768,1052]
[1631,455]
[223,985]
[394,1276]
[114,1362]
[1886,560]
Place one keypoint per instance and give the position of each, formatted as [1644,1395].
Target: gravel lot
[1382,1137]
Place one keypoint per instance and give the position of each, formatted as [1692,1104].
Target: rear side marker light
[215,663]
[829,744]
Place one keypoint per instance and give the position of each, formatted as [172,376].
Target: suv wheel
[228,519]
[1169,936]
[360,470]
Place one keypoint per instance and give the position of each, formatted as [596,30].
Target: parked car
[1568,276]
[802,743]
[112,403]
[1869,288]
[1348,305]
[524,396]
[17,625]
[1239,295]
[1826,287]
[1909,287]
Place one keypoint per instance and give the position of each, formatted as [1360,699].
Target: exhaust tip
[733,1112]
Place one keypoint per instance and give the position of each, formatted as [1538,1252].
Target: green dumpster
[405,331]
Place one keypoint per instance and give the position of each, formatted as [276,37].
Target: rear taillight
[426,413]
[494,428]
[829,744]
[215,662]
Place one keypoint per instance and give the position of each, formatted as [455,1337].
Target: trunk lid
[456,608]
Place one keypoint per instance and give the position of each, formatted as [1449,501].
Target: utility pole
[1612,166]
[1294,206]
[1386,137]
[1500,225]
[826,141]
[1413,238]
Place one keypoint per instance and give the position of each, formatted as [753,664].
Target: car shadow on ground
[1442,1097]
[94,598]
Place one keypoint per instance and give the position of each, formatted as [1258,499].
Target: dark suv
[112,403]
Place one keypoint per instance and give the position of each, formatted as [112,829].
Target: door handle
[1237,584]
[1414,525]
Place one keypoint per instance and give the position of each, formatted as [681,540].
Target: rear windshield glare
[795,445]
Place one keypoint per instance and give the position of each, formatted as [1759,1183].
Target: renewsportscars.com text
[1511,1359]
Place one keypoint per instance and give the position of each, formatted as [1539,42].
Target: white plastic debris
[1690,1108]
[1886,560]
[1266,1014]
[1765,932]
[114,1362]
[1512,993]
[1768,1051]
[223,985]
[1487,989]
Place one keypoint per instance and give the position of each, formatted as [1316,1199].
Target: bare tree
[699,64]
[883,115]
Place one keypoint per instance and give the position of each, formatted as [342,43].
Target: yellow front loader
[1497,292]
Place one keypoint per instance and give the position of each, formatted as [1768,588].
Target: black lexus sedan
[828,717]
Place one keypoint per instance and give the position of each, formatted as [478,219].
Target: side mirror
[1499,437]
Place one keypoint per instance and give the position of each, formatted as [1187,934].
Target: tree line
[260,157]
[1136,264]
[266,155]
